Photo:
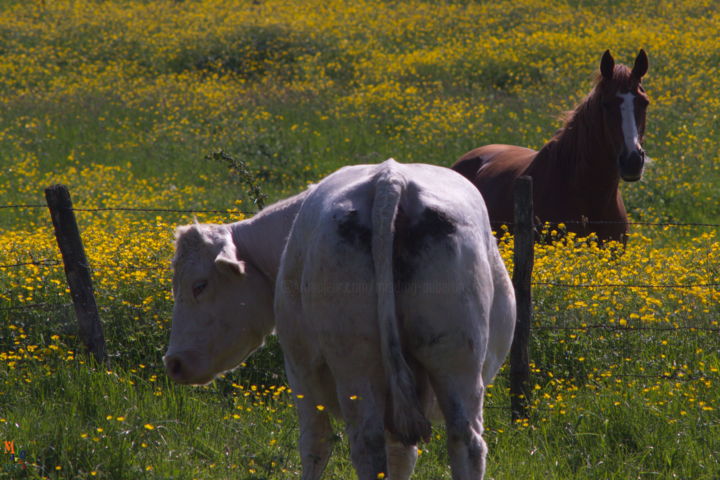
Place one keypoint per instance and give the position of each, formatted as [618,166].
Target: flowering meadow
[123,100]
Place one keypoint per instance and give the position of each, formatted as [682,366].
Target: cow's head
[223,305]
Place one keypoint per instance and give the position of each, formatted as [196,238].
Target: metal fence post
[522,276]
[77,269]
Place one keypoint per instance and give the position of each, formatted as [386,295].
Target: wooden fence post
[522,276]
[77,269]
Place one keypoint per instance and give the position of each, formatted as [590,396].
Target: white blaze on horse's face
[632,156]
[629,125]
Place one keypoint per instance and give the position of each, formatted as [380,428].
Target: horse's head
[623,103]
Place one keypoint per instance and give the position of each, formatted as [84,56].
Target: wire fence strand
[496,224]
[160,210]
[49,263]
[625,328]
[135,209]
[20,206]
[35,306]
[245,212]
[674,376]
[678,286]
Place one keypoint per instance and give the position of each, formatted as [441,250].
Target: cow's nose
[174,368]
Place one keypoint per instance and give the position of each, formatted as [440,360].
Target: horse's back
[493,170]
[494,159]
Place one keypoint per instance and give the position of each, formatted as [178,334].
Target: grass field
[123,101]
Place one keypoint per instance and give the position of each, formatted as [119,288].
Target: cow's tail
[406,418]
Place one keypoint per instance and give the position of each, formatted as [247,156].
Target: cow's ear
[226,262]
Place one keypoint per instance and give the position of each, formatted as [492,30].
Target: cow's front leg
[401,458]
[316,439]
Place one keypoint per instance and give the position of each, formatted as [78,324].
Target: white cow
[387,286]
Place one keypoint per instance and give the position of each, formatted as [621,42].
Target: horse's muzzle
[631,165]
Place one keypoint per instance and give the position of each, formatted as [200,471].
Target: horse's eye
[608,104]
[199,287]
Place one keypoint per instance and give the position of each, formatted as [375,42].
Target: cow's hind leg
[401,458]
[466,447]
[316,438]
[461,403]
[455,369]
[316,434]
[363,407]
[447,334]
[313,387]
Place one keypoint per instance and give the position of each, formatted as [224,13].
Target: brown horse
[577,173]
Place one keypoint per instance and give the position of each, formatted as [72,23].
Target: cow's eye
[199,287]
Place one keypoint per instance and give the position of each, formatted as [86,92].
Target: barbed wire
[624,328]
[495,224]
[678,375]
[159,210]
[34,306]
[245,212]
[116,266]
[678,286]
[134,209]
[18,206]
[672,375]
[620,222]
[34,262]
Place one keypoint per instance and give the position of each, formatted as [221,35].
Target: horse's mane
[580,125]
[621,78]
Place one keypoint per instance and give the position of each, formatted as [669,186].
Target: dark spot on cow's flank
[353,232]
[413,238]
[433,225]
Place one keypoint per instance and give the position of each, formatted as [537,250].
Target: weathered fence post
[77,269]
[522,275]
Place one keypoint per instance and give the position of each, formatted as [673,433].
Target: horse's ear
[607,65]
[641,65]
